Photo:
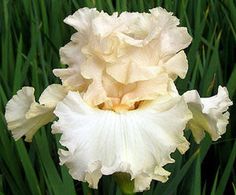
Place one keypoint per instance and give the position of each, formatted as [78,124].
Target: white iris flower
[118,107]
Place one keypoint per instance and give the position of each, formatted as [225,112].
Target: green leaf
[225,177]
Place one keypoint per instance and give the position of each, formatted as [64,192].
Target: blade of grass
[196,180]
[231,85]
[29,171]
[225,177]
[213,190]
[19,61]
[173,184]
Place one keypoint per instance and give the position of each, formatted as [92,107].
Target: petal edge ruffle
[102,142]
[209,114]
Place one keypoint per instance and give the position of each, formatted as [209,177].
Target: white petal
[138,142]
[24,116]
[209,114]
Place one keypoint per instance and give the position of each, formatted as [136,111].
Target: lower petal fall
[138,142]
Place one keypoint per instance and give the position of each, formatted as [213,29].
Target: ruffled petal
[52,95]
[176,65]
[105,24]
[24,116]
[130,73]
[138,142]
[173,40]
[71,77]
[81,20]
[16,110]
[142,28]
[71,53]
[95,94]
[148,90]
[132,48]
[137,64]
[209,114]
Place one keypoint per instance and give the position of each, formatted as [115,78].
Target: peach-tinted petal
[130,72]
[95,94]
[130,48]
[148,90]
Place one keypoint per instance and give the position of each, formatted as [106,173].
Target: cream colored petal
[17,109]
[71,54]
[105,24]
[165,18]
[209,114]
[52,95]
[112,87]
[139,30]
[137,142]
[81,20]
[173,40]
[95,94]
[130,73]
[135,64]
[24,116]
[36,110]
[177,65]
[115,91]
[148,90]
[129,46]
[144,27]
[71,77]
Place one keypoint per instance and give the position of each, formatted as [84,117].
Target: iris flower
[118,108]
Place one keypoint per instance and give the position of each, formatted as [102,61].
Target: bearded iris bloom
[118,107]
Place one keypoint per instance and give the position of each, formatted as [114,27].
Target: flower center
[120,108]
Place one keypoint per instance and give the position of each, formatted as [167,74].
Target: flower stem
[125,183]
